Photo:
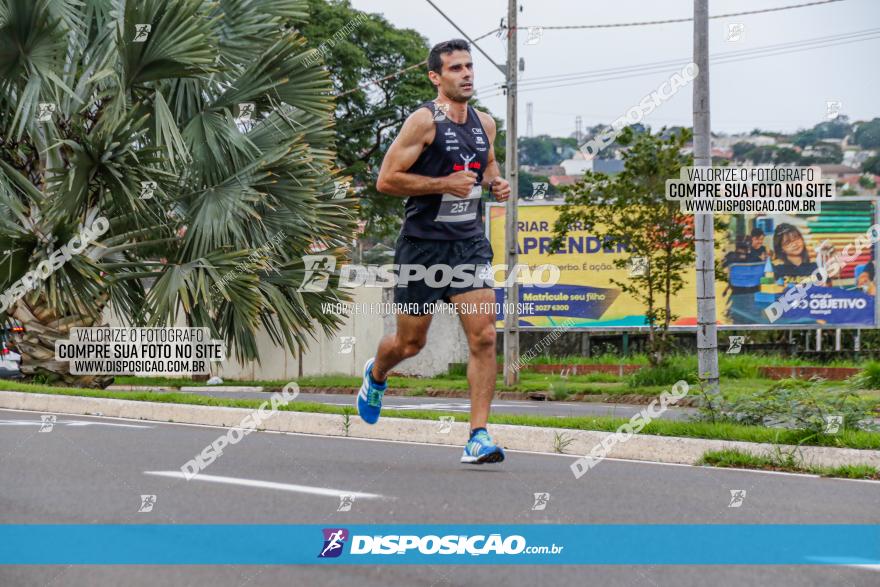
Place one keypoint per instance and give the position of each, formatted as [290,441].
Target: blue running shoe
[481,449]
[369,398]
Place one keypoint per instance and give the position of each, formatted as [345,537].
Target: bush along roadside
[795,404]
[867,378]
[784,461]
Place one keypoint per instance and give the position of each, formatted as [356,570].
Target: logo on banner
[334,540]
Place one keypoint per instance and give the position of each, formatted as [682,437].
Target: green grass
[742,460]
[634,359]
[588,384]
[729,367]
[746,364]
[591,383]
[867,378]
[724,431]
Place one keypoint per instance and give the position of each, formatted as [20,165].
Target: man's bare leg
[407,341]
[482,365]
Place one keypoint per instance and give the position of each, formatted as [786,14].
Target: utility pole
[511,298]
[704,226]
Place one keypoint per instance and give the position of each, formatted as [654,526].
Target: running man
[440,161]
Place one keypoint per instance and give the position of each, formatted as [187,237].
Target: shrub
[867,378]
[560,391]
[804,405]
[672,370]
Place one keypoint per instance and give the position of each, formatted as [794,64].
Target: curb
[659,449]
[185,389]
[627,399]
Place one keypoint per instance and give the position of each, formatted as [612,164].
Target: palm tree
[103,102]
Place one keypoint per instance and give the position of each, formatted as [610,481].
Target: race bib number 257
[455,209]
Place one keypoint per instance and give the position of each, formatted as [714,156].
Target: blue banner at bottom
[253,544]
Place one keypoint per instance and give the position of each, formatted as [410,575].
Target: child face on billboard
[793,245]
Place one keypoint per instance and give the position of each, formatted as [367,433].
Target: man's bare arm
[417,132]
[497,185]
[492,169]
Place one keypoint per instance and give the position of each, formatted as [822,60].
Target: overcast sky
[779,92]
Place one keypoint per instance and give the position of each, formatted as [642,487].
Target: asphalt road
[94,470]
[444,404]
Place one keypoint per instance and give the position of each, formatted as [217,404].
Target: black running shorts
[471,256]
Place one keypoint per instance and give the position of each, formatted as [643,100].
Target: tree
[368,117]
[544,149]
[165,109]
[867,134]
[527,179]
[786,155]
[762,154]
[872,165]
[741,150]
[631,209]
[539,150]
[374,97]
[838,128]
[822,153]
[805,138]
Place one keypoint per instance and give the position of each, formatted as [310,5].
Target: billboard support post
[704,225]
[511,316]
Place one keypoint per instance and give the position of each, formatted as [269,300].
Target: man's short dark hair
[756,232]
[435,62]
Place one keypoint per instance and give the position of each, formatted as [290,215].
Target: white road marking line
[832,560]
[325,491]
[67,423]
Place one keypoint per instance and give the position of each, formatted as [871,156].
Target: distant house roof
[558,180]
[545,169]
[834,169]
[854,178]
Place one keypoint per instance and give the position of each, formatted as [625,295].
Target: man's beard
[459,97]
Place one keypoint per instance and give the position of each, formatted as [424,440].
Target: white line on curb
[325,491]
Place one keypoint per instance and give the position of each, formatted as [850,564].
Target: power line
[492,32]
[382,79]
[560,27]
[543,80]
[400,71]
[474,43]
[659,68]
[677,20]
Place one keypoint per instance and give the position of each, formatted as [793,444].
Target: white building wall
[446,344]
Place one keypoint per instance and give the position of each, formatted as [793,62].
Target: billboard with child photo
[814,270]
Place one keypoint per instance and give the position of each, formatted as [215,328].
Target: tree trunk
[42,327]
[652,337]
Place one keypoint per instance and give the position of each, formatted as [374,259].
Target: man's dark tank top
[455,147]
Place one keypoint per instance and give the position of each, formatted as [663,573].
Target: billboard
[762,256]
[766,255]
